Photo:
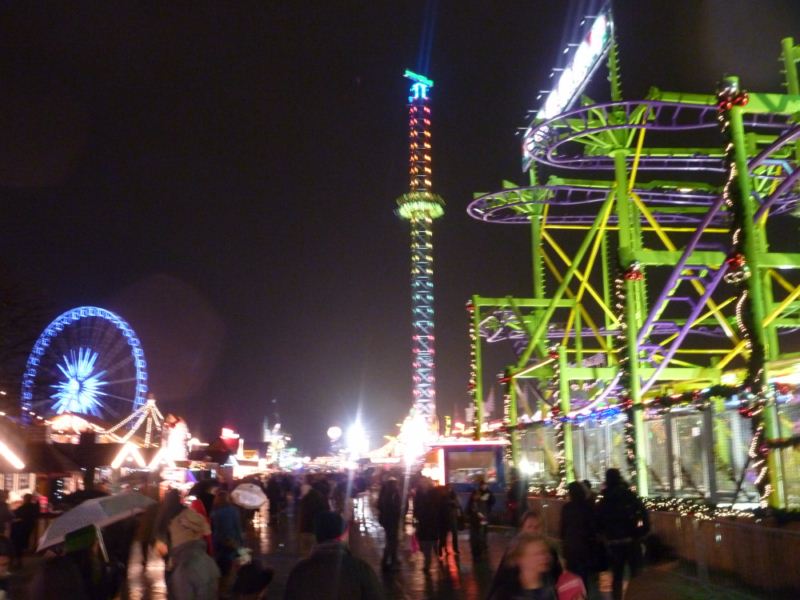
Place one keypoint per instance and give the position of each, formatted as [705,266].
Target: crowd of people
[200,536]
[596,534]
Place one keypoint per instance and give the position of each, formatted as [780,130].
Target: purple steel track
[551,135]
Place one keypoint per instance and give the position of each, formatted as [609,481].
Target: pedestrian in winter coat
[25,517]
[191,573]
[583,554]
[389,507]
[312,504]
[450,513]
[507,571]
[426,515]
[275,495]
[530,556]
[6,516]
[195,576]
[517,497]
[203,504]
[332,572]
[478,509]
[226,532]
[622,520]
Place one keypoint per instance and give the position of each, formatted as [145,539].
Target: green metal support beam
[564,405]
[523,302]
[713,260]
[541,327]
[755,306]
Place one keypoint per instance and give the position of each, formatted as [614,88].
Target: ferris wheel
[87,361]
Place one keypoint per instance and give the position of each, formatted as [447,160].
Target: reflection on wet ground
[276,546]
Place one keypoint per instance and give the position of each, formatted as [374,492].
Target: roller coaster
[660,336]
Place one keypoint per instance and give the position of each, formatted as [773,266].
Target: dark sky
[224,175]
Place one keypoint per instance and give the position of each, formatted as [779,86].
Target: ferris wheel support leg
[761,351]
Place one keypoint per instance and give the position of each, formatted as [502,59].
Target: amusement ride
[665,287]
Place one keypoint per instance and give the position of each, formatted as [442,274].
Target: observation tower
[420,206]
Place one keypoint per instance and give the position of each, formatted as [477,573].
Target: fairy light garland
[696,399]
[505,383]
[759,389]
[472,383]
[558,422]
[632,273]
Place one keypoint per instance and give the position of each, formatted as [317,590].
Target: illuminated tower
[421,206]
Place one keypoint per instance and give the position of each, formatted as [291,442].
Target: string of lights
[730,96]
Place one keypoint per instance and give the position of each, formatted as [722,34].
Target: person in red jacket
[204,493]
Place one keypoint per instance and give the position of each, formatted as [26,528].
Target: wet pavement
[457,577]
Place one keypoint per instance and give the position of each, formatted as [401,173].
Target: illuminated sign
[420,87]
[572,80]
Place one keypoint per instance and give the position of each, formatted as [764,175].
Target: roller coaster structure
[663,278]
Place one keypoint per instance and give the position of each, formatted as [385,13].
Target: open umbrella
[248,495]
[98,512]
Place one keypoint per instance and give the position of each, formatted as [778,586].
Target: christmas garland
[631,273]
[729,97]
[555,410]
[472,383]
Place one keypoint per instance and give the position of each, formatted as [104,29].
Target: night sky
[224,175]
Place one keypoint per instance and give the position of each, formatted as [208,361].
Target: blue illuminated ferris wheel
[87,361]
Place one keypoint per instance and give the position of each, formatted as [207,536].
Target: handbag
[413,543]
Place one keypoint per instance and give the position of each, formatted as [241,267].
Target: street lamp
[334,433]
[357,441]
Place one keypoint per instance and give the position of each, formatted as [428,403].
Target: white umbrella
[248,495]
[98,512]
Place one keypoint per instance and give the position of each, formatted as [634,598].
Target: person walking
[517,497]
[622,520]
[531,523]
[25,517]
[6,516]
[531,558]
[450,514]
[311,504]
[275,495]
[390,503]
[426,515]
[480,505]
[193,573]
[583,554]
[204,493]
[226,532]
[332,572]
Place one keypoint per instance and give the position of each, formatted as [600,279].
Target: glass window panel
[538,450]
[690,458]
[657,456]
[465,466]
[789,419]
